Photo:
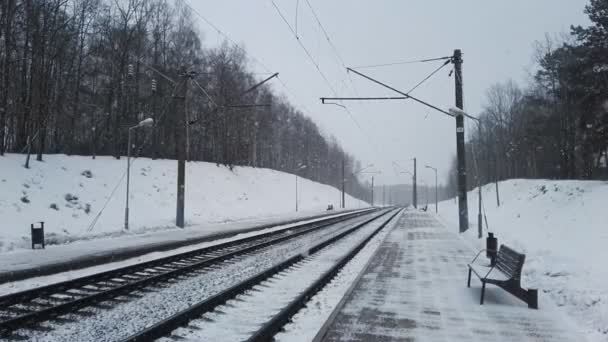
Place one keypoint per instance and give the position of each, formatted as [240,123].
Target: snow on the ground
[150,307]
[239,317]
[307,322]
[415,289]
[561,227]
[20,259]
[67,193]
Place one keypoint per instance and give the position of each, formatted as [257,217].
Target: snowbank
[67,193]
[561,226]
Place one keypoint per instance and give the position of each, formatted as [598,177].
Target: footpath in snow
[414,289]
[561,227]
[80,198]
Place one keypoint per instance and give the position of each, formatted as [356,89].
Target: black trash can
[37,234]
[491,248]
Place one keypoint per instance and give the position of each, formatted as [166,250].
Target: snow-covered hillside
[67,193]
[562,228]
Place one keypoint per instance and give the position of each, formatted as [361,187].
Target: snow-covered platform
[414,289]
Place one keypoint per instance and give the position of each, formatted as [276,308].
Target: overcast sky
[496,38]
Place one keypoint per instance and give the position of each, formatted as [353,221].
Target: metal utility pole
[497,195]
[180,141]
[383,194]
[415,192]
[372,191]
[479,217]
[343,181]
[300,167]
[296,192]
[436,209]
[463,212]
[434,169]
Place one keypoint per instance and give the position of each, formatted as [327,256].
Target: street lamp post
[144,123]
[434,169]
[301,167]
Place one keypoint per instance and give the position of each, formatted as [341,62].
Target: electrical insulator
[130,69]
[153,85]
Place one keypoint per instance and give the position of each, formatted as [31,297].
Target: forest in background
[76,74]
[554,127]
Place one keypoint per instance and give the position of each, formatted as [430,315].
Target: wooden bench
[504,273]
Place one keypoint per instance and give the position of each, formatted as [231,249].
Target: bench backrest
[510,262]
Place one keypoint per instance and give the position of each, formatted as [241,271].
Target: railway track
[46,303]
[259,307]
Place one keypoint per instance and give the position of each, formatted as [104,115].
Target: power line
[341,62]
[283,83]
[223,34]
[401,62]
[268,71]
[331,44]
[311,58]
[285,20]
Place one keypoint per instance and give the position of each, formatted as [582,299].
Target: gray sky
[496,38]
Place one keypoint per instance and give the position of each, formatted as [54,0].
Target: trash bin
[491,246]
[37,234]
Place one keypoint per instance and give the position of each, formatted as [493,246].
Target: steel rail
[130,278]
[276,324]
[183,317]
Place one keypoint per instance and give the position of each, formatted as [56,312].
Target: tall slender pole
[383,194]
[372,191]
[296,192]
[180,141]
[479,217]
[343,181]
[434,170]
[436,210]
[497,195]
[463,212]
[415,193]
[128,178]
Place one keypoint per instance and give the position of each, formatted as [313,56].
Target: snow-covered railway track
[258,307]
[26,308]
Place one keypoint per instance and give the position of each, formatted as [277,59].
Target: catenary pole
[372,191]
[415,192]
[180,135]
[463,214]
[343,181]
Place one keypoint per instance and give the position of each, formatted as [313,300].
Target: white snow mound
[67,193]
[561,227]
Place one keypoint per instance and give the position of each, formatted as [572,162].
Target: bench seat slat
[482,270]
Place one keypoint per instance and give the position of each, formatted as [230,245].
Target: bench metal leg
[533,299]
[469,281]
[483,290]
